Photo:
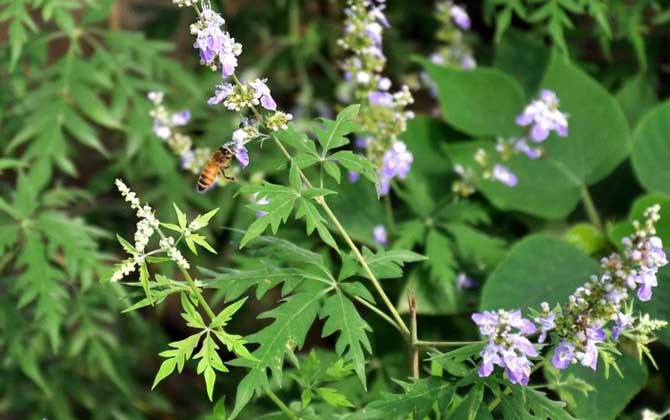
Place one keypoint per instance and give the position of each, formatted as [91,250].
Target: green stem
[427,343]
[378,311]
[590,208]
[279,403]
[508,390]
[414,348]
[338,226]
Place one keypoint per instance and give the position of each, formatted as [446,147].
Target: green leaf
[202,220]
[293,319]
[144,280]
[524,56]
[314,220]
[416,400]
[475,246]
[356,163]
[281,202]
[226,314]
[545,188]
[651,149]
[333,397]
[333,133]
[457,362]
[332,170]
[539,268]
[389,264]
[586,237]
[91,106]
[480,102]
[190,314]
[611,395]
[181,217]
[306,397]
[210,362]
[599,138]
[127,246]
[341,315]
[470,405]
[300,142]
[83,131]
[177,356]
[636,97]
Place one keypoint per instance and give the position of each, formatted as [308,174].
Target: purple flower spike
[353,176]
[380,235]
[563,355]
[504,175]
[262,93]
[623,321]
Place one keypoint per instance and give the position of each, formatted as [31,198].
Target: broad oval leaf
[481,102]
[539,268]
[651,149]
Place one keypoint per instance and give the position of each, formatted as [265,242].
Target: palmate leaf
[314,220]
[415,402]
[356,163]
[233,283]
[293,319]
[341,315]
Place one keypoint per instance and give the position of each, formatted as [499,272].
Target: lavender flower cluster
[383,116]
[167,126]
[454,21]
[595,313]
[540,118]
[218,50]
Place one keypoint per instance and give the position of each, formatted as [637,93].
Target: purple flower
[588,357]
[379,98]
[490,357]
[187,158]
[487,322]
[262,92]
[460,17]
[222,91]
[563,355]
[504,175]
[181,118]
[465,282]
[544,116]
[523,147]
[360,142]
[240,136]
[547,322]
[397,161]
[623,321]
[213,43]
[506,348]
[647,281]
[353,176]
[380,235]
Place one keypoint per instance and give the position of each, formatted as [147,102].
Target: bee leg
[230,178]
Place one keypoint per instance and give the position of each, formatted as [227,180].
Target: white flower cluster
[147,225]
[167,245]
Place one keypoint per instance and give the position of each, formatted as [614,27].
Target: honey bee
[217,165]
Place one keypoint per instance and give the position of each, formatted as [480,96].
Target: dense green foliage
[302,312]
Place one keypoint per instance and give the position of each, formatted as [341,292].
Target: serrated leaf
[333,397]
[226,314]
[352,343]
[314,220]
[202,220]
[389,264]
[293,319]
[416,401]
[278,209]
[333,133]
[356,163]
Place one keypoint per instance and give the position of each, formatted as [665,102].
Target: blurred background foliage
[74,116]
